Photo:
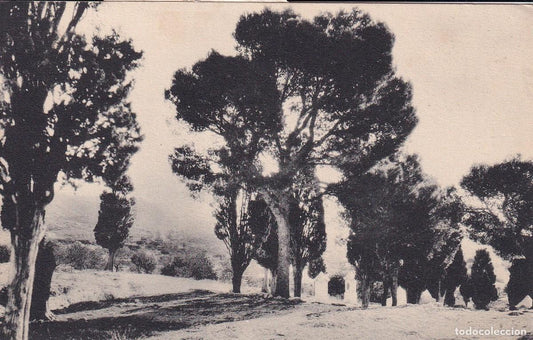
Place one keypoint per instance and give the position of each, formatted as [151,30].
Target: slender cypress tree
[482,280]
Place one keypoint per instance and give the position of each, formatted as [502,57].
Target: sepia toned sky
[470,67]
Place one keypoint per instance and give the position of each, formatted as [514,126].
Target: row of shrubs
[190,263]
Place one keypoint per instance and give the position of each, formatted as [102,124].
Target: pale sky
[470,67]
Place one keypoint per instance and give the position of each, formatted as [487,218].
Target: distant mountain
[73,217]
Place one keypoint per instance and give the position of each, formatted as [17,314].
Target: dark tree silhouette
[362,255]
[63,107]
[377,204]
[434,239]
[467,290]
[336,286]
[333,74]
[307,227]
[5,253]
[236,233]
[264,229]
[504,218]
[520,283]
[315,267]
[115,219]
[455,276]
[482,280]
[396,215]
[232,97]
[307,230]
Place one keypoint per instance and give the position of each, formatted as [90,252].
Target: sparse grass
[136,318]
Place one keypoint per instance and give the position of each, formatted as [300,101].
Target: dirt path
[202,314]
[138,317]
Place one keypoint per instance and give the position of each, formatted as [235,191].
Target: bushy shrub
[81,256]
[123,259]
[143,262]
[193,264]
[5,253]
[336,286]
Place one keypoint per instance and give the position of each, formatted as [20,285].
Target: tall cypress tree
[482,280]
[456,275]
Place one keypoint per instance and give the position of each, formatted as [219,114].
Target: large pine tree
[332,76]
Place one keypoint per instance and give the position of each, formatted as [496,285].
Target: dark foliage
[115,219]
[397,216]
[336,286]
[307,226]
[456,275]
[349,105]
[467,290]
[520,283]
[63,110]
[263,224]
[5,253]
[483,279]
[316,267]
[193,264]
[307,232]
[504,221]
[233,228]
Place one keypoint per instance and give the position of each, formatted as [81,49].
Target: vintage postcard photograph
[265,170]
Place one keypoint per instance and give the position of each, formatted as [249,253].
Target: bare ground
[134,318]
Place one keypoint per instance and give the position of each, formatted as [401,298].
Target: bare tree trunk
[236,280]
[25,247]
[111,260]
[280,210]
[273,281]
[386,287]
[297,274]
[365,292]
[394,289]
[44,270]
[264,288]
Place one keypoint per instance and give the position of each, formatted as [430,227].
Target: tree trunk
[394,289]
[236,281]
[413,296]
[264,288]
[25,246]
[365,293]
[386,287]
[297,274]
[273,281]
[449,297]
[280,210]
[44,270]
[111,260]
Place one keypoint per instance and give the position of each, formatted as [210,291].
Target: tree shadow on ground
[143,316]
